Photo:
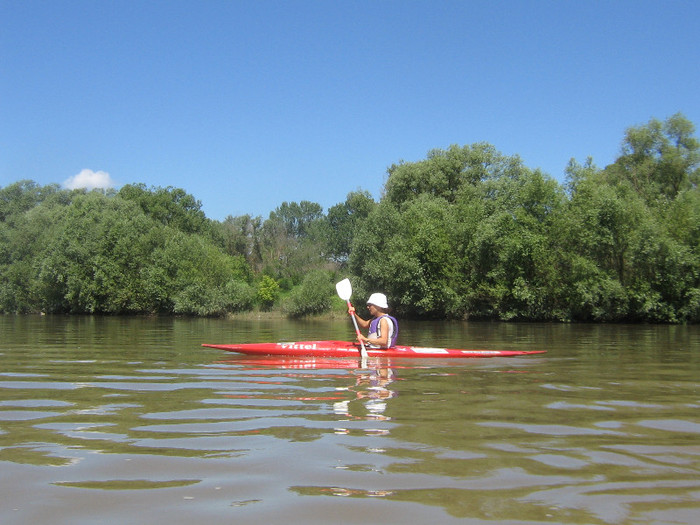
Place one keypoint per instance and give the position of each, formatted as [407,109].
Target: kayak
[349,349]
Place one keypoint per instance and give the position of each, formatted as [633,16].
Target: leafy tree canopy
[466,232]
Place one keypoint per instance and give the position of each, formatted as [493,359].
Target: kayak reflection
[369,389]
[294,363]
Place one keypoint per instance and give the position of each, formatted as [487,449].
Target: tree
[445,173]
[94,252]
[292,241]
[466,232]
[597,235]
[473,242]
[509,260]
[344,219]
[241,236]
[313,296]
[22,196]
[629,258]
[268,292]
[659,159]
[170,206]
[297,218]
[91,265]
[409,255]
[24,238]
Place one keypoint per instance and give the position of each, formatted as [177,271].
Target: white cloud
[90,180]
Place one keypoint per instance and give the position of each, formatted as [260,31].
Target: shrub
[268,292]
[313,296]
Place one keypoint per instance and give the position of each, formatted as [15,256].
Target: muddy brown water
[130,420]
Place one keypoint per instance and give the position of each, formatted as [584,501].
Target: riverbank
[256,315]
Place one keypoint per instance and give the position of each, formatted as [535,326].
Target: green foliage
[90,264]
[241,236]
[659,159]
[343,222]
[78,252]
[297,218]
[444,173]
[268,292]
[465,233]
[633,228]
[593,294]
[21,197]
[293,241]
[408,254]
[478,247]
[198,299]
[469,232]
[509,258]
[313,296]
[169,206]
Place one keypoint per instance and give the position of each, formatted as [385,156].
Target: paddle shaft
[357,331]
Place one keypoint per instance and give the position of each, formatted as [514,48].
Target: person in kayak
[383,328]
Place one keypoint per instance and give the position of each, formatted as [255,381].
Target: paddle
[344,289]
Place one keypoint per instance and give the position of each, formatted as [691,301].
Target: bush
[313,296]
[239,296]
[197,299]
[268,292]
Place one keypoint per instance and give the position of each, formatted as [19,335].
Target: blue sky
[247,104]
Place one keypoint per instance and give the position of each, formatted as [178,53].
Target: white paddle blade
[344,289]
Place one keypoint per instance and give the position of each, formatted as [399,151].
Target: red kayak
[346,349]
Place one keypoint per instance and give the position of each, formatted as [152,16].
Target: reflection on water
[372,387]
[130,420]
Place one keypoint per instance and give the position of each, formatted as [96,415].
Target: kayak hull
[349,349]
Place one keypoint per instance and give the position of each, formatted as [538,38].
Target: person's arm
[362,323]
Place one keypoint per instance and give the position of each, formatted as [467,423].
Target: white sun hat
[378,299]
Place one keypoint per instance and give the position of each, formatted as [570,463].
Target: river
[130,420]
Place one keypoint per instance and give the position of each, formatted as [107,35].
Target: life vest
[375,329]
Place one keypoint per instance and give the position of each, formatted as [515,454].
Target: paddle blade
[344,289]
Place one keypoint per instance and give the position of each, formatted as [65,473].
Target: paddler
[383,328]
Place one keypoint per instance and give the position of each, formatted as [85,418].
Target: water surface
[130,420]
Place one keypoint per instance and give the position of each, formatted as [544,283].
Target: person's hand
[351,310]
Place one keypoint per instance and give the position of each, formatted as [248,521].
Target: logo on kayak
[297,346]
[430,351]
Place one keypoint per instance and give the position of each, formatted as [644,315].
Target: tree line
[466,232]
